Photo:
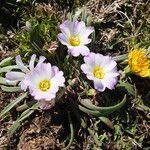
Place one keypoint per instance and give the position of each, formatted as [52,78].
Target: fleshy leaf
[8,68]
[10,89]
[89,111]
[120,57]
[128,87]
[26,105]
[102,110]
[12,104]
[2,63]
[84,14]
[23,116]
[107,122]
[2,80]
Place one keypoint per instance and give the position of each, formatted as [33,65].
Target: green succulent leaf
[89,20]
[26,105]
[12,104]
[2,80]
[96,110]
[107,122]
[84,14]
[24,115]
[3,62]
[88,111]
[28,112]
[8,68]
[10,89]
[14,127]
[120,57]
[127,87]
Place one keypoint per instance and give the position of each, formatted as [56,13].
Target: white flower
[75,36]
[44,81]
[102,70]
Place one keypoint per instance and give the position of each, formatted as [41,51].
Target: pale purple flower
[102,70]
[44,81]
[75,36]
[15,77]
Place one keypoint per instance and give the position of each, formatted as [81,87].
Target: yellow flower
[139,62]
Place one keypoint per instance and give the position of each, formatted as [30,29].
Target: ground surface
[119,25]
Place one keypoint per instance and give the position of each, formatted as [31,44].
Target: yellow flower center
[74,41]
[44,85]
[139,62]
[98,72]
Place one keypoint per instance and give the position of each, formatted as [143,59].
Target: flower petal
[99,85]
[84,50]
[13,76]
[64,27]
[73,51]
[111,74]
[23,85]
[85,41]
[44,105]
[77,50]
[15,82]
[90,59]
[111,65]
[79,26]
[63,39]
[100,60]
[110,82]
[39,95]
[86,68]
[58,79]
[54,71]
[32,61]
[41,60]
[21,65]
[86,32]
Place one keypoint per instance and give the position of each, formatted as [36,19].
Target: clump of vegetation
[89,87]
